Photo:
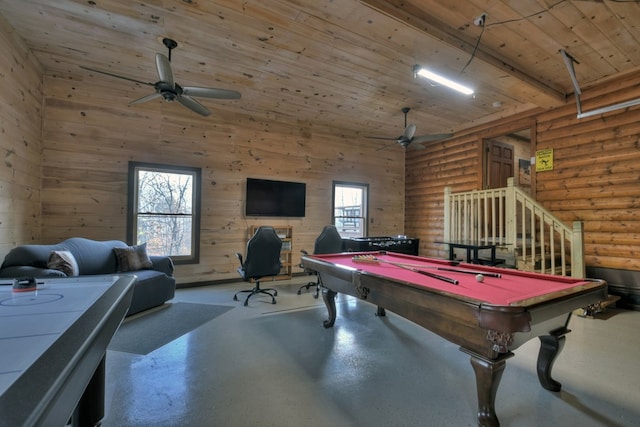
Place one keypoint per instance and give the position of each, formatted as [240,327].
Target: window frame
[132,204]
[365,204]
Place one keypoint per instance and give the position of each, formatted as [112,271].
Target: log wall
[596,177]
[454,163]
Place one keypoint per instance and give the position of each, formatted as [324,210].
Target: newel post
[578,268]
[447,214]
[510,212]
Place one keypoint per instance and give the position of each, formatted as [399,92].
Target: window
[164,210]
[350,201]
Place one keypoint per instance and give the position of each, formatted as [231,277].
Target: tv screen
[275,198]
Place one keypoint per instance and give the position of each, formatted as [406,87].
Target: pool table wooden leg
[329,298]
[488,375]
[550,347]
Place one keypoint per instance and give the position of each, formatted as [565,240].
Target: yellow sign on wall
[544,160]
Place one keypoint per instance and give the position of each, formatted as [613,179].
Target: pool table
[486,316]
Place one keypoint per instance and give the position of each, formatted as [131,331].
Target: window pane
[349,209]
[165,234]
[164,192]
[164,210]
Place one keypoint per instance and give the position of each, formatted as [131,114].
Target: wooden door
[499,163]
[499,166]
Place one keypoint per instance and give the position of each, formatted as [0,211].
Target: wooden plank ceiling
[347,63]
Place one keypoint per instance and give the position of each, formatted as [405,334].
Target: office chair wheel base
[307,286]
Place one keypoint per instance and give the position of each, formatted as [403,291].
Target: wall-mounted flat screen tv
[275,198]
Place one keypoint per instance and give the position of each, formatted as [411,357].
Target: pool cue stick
[451,269]
[415,270]
[429,274]
[484,273]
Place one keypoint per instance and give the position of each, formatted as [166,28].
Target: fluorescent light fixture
[430,75]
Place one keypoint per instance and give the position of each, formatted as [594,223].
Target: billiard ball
[479,278]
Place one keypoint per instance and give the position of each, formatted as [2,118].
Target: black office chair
[328,242]
[262,259]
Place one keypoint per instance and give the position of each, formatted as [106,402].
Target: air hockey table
[53,342]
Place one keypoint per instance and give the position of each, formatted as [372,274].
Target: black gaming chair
[261,260]
[328,242]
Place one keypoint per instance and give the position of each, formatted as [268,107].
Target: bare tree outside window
[164,210]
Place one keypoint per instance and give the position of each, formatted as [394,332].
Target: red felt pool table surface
[513,288]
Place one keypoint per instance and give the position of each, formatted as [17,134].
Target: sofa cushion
[30,255]
[132,258]
[63,261]
[29,271]
[93,257]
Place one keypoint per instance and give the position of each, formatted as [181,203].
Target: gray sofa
[155,284]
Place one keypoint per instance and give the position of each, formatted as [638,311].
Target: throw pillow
[63,261]
[133,258]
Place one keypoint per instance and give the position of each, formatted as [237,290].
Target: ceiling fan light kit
[437,78]
[167,89]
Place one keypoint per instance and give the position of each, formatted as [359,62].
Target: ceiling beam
[420,20]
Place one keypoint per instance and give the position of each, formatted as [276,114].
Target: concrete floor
[275,365]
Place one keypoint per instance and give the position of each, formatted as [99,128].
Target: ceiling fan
[408,139]
[171,91]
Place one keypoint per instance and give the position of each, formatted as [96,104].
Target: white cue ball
[479,278]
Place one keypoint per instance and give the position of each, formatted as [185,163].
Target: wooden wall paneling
[86,191]
[619,238]
[620,250]
[595,177]
[20,141]
[91,133]
[452,163]
[615,262]
[600,128]
[448,163]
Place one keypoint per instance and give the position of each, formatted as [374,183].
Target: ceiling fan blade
[384,138]
[415,146]
[164,70]
[210,92]
[408,133]
[106,73]
[146,98]
[384,147]
[432,138]
[193,105]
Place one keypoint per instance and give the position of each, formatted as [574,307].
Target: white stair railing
[509,218]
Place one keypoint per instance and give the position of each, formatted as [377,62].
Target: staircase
[526,234]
